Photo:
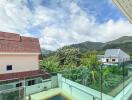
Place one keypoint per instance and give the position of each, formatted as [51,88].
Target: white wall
[110,60]
[19,62]
[116,60]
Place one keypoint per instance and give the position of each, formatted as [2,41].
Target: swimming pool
[58,97]
[52,94]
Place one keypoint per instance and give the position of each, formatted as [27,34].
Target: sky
[63,22]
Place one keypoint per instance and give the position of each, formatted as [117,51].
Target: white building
[113,56]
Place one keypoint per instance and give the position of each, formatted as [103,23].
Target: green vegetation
[85,69]
[63,58]
[110,78]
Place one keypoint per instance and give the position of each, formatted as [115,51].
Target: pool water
[58,97]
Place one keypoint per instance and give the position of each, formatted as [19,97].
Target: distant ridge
[124,43]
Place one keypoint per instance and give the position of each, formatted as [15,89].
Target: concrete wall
[19,62]
[79,91]
[10,85]
[38,87]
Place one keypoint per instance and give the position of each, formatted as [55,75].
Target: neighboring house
[113,56]
[19,62]
[18,53]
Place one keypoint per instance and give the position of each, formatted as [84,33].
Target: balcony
[77,83]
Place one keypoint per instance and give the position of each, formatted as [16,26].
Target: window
[18,84]
[107,60]
[113,60]
[9,67]
[31,82]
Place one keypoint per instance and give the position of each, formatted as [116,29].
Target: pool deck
[50,93]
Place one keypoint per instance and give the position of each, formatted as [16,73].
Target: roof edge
[18,53]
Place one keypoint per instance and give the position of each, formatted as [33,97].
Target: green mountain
[88,46]
[124,43]
[127,46]
[120,40]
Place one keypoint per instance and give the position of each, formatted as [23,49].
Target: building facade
[113,56]
[18,53]
[20,74]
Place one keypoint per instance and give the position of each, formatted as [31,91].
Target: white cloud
[112,30]
[43,15]
[59,27]
[74,8]
[55,37]
[14,16]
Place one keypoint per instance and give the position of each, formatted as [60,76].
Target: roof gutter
[123,9]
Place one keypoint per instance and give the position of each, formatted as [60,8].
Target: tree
[90,61]
[50,64]
[68,57]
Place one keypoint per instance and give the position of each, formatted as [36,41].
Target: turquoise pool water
[58,97]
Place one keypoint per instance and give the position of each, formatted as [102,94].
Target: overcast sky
[62,22]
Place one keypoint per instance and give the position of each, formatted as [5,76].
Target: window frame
[8,67]
[113,60]
[31,82]
[107,60]
[19,84]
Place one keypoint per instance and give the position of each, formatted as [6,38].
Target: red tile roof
[22,75]
[14,43]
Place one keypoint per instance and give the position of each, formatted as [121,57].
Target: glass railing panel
[127,78]
[90,81]
[112,77]
[12,94]
[117,80]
